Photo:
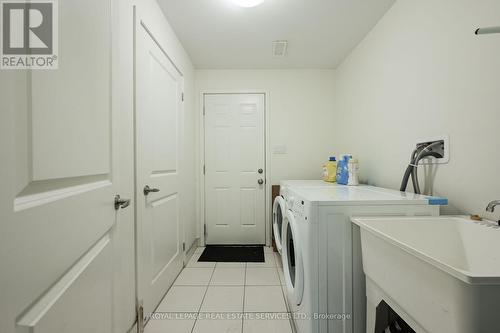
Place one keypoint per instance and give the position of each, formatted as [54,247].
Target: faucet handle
[491,206]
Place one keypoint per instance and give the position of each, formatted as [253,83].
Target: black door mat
[232,253]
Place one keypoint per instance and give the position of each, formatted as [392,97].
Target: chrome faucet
[492,205]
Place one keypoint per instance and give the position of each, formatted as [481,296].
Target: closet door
[64,249]
[158,117]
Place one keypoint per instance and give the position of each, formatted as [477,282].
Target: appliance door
[292,259]
[279,211]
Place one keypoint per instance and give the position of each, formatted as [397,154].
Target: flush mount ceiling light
[247,3]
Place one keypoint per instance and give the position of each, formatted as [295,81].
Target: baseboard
[190,251]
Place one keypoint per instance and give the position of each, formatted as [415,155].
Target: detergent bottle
[330,170]
[343,170]
[353,168]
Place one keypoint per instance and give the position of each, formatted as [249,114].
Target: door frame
[267,150]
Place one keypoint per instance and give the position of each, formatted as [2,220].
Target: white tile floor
[225,298]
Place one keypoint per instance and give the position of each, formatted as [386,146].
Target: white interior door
[66,254]
[235,168]
[159,88]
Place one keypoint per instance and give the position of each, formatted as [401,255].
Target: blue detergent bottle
[343,170]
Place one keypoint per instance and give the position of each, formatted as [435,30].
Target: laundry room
[242,166]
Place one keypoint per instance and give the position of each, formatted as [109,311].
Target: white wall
[422,72]
[165,35]
[300,111]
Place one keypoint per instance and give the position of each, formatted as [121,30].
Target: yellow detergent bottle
[330,170]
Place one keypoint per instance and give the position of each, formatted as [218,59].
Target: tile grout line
[244,294]
[204,295]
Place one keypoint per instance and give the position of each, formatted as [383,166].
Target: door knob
[260,181]
[260,171]
[148,190]
[121,203]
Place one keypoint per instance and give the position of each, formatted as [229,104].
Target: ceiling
[220,35]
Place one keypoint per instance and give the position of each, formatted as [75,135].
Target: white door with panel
[66,254]
[158,113]
[235,168]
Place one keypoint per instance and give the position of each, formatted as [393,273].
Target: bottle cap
[333,159]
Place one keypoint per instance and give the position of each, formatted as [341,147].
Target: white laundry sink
[442,272]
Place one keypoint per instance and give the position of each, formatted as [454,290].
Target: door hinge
[182,97]
[140,317]
[205,230]
[204,169]
[203,110]
[184,247]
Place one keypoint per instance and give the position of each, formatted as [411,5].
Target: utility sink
[443,273]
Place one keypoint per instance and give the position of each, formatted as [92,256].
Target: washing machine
[279,205]
[324,279]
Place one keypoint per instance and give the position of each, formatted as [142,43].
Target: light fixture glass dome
[247,3]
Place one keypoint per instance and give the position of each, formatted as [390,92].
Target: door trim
[268,206]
